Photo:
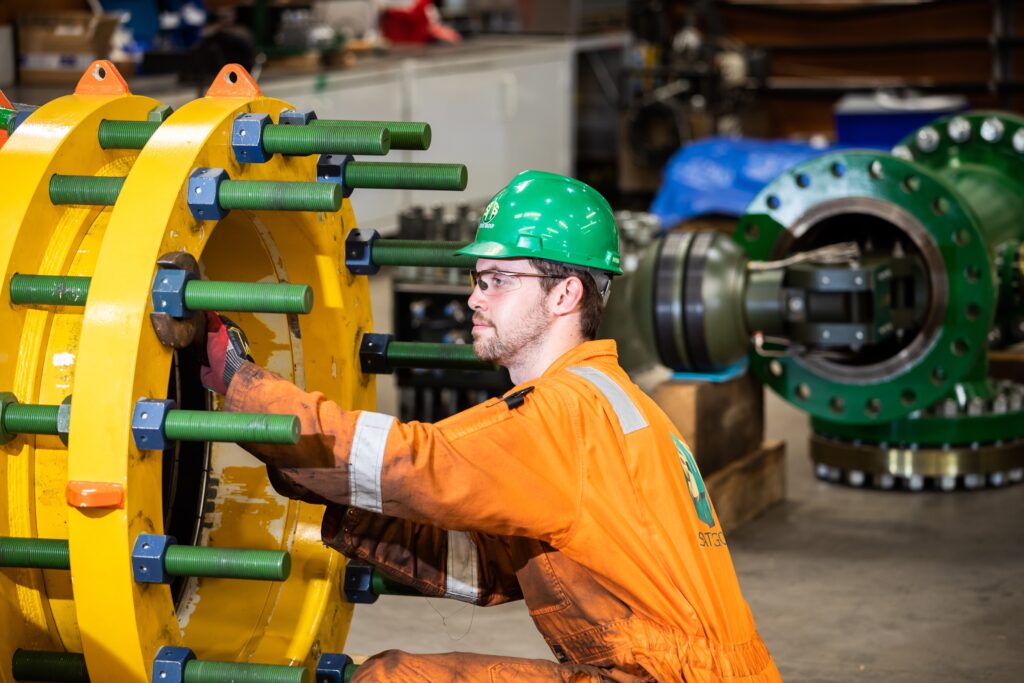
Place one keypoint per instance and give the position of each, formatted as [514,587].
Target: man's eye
[500,281]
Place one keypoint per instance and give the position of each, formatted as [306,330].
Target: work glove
[226,349]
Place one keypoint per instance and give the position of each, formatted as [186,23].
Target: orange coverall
[577,495]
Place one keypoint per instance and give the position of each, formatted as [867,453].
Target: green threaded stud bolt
[420,253]
[257,297]
[325,140]
[200,295]
[228,563]
[126,134]
[429,355]
[86,190]
[382,585]
[273,195]
[203,425]
[52,290]
[198,671]
[59,667]
[6,116]
[413,135]
[20,418]
[35,553]
[389,175]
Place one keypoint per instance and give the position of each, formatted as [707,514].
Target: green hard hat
[548,216]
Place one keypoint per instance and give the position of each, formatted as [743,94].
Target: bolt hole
[875,169]
[838,169]
[803,180]
[803,391]
[99,73]
[773,202]
[144,416]
[938,376]
[911,183]
[775,367]
[908,397]
[972,274]
[145,546]
[231,77]
[973,311]
[960,347]
[752,232]
[940,206]
[962,237]
[837,404]
[873,407]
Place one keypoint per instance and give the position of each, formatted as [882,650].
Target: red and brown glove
[226,349]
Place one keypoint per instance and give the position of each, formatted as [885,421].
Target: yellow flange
[38,348]
[120,360]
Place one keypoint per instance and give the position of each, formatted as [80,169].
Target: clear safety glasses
[493,282]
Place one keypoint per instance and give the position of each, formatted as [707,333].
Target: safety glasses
[493,282]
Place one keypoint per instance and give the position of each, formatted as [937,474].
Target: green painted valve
[277,139]
[55,667]
[420,253]
[389,175]
[412,135]
[207,425]
[255,195]
[200,295]
[180,560]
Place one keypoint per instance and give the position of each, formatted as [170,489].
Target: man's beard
[503,348]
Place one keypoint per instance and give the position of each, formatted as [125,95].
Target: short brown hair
[591,303]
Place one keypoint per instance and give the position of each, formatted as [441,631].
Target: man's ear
[567,295]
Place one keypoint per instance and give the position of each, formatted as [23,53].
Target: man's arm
[492,469]
[466,566]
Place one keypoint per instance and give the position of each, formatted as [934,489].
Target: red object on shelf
[418,23]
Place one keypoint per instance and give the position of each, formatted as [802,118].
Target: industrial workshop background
[820,208]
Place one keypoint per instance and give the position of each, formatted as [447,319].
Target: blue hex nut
[148,423]
[169,292]
[296,117]
[203,193]
[330,168]
[330,668]
[148,558]
[359,251]
[64,420]
[359,583]
[170,662]
[247,138]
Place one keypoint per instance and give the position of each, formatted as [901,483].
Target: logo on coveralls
[695,483]
[490,212]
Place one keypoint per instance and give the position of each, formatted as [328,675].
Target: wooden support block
[746,487]
[721,421]
[1006,365]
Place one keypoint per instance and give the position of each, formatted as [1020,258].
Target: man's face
[507,322]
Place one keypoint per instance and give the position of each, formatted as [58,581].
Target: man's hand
[226,349]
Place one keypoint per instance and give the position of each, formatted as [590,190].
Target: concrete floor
[846,585]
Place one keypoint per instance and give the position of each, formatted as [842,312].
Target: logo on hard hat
[490,212]
[695,483]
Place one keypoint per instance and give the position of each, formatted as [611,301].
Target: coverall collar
[582,353]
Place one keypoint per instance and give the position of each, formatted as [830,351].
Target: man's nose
[476,299]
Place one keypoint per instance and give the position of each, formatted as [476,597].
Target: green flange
[412,135]
[388,175]
[255,195]
[420,253]
[198,671]
[200,295]
[430,355]
[55,667]
[882,187]
[210,425]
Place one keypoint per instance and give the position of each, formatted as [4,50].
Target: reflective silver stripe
[366,459]
[630,417]
[462,581]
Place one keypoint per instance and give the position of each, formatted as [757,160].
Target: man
[572,492]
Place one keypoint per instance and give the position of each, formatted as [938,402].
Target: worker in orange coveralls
[574,491]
